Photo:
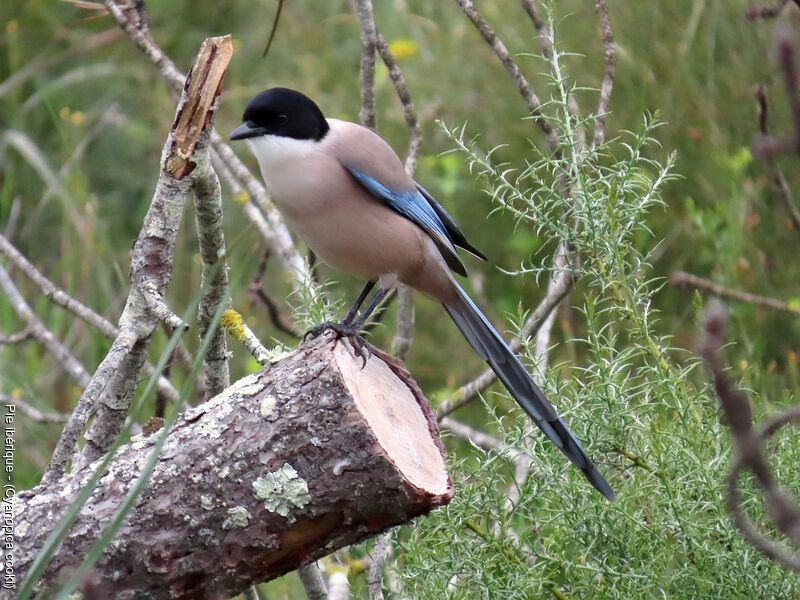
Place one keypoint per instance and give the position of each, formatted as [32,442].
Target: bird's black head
[282,112]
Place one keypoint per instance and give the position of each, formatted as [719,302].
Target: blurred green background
[93,113]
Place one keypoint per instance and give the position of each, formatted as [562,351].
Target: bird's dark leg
[373,304]
[346,327]
[348,320]
[352,329]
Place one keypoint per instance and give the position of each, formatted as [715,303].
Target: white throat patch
[272,151]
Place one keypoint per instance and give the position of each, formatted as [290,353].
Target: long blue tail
[492,348]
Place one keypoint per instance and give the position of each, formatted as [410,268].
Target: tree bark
[308,455]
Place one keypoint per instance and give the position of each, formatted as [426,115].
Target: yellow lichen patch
[242,197]
[232,322]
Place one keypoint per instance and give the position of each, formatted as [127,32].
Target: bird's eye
[282,117]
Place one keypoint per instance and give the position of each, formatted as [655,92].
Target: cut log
[308,455]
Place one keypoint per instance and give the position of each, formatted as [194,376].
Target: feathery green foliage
[654,435]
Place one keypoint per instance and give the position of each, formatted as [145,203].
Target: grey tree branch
[313,582]
[383,544]
[410,114]
[208,211]
[499,48]
[610,61]
[61,298]
[32,412]
[41,333]
[683,279]
[134,24]
[366,20]
[185,150]
[16,338]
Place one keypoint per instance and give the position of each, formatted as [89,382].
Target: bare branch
[366,20]
[610,61]
[234,324]
[410,114]
[42,334]
[210,234]
[499,48]
[759,147]
[31,412]
[404,330]
[54,293]
[782,508]
[313,582]
[257,291]
[61,298]
[184,160]
[767,12]
[16,338]
[470,434]
[543,36]
[383,544]
[134,23]
[110,365]
[683,279]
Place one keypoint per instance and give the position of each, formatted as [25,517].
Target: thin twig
[383,544]
[404,329]
[235,325]
[499,48]
[366,20]
[610,61]
[54,293]
[543,36]
[683,279]
[31,412]
[61,298]
[42,334]
[409,113]
[16,338]
[470,434]
[767,12]
[257,290]
[777,173]
[313,582]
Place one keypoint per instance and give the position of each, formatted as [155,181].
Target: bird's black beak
[247,130]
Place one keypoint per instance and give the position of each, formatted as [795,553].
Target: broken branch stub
[202,89]
[308,455]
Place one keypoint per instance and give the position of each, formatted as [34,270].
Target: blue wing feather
[414,206]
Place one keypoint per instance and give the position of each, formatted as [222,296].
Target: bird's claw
[360,348]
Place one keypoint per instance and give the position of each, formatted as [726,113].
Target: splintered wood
[202,88]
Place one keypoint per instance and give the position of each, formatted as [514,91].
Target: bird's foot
[343,330]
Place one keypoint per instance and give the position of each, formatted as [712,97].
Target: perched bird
[345,192]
